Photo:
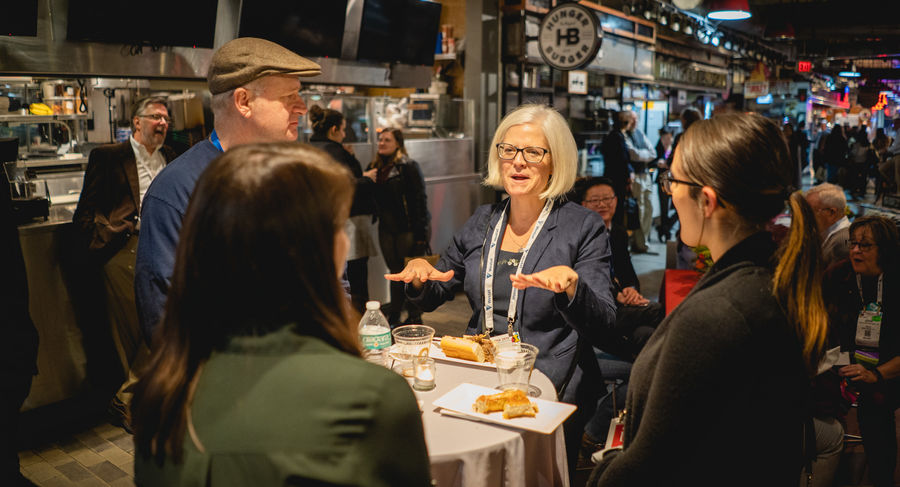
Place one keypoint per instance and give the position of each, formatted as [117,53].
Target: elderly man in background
[641,154]
[106,219]
[255,98]
[828,203]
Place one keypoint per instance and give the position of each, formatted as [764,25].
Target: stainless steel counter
[61,358]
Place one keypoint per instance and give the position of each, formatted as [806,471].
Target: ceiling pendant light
[780,30]
[729,10]
[676,25]
[688,30]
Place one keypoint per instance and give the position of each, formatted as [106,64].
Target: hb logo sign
[570,36]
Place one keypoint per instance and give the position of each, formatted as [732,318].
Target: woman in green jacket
[256,377]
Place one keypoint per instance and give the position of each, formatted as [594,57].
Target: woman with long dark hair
[718,395]
[329,130]
[256,377]
[404,228]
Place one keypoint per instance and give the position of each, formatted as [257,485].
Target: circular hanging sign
[570,36]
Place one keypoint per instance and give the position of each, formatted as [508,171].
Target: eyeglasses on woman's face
[863,246]
[666,180]
[532,155]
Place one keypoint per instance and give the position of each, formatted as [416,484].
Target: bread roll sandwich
[519,406]
[462,348]
[514,403]
[494,402]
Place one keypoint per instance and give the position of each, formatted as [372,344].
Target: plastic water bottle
[375,334]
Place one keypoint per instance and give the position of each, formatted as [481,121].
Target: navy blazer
[562,330]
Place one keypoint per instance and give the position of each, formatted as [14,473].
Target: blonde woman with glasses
[534,267]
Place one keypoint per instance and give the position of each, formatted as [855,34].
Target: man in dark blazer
[107,221]
[636,316]
[617,162]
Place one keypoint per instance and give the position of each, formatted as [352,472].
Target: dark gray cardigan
[718,394]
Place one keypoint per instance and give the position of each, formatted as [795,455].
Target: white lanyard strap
[859,286]
[491,263]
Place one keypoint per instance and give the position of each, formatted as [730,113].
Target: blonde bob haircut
[563,151]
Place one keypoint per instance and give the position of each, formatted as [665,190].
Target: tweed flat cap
[245,59]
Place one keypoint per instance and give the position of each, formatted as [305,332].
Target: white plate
[438,354]
[550,413]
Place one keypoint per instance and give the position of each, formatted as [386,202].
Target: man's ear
[241,100]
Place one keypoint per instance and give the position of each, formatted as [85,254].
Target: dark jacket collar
[757,249]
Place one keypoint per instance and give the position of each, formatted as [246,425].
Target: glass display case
[419,115]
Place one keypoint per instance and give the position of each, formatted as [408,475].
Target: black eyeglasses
[666,180]
[600,201]
[863,246]
[157,117]
[532,155]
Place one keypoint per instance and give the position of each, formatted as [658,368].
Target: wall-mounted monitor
[312,28]
[19,18]
[180,23]
[403,31]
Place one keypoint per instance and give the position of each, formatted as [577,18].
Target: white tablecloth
[475,454]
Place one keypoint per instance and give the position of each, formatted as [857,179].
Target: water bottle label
[376,342]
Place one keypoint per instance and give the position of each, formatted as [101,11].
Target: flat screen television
[308,27]
[180,23]
[403,31]
[19,18]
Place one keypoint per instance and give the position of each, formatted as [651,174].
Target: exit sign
[804,66]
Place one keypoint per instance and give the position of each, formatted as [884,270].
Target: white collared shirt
[148,165]
[838,225]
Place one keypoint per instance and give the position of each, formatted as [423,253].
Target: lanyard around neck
[491,263]
[859,286]
[214,138]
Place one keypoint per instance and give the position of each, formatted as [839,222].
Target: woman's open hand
[558,279]
[417,271]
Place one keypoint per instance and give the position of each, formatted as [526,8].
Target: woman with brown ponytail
[329,130]
[718,396]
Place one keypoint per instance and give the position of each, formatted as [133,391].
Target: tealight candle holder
[424,369]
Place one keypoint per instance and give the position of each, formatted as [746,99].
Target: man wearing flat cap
[255,98]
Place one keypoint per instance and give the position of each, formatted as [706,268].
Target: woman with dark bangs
[256,377]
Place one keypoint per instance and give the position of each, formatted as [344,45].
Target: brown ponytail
[745,159]
[797,281]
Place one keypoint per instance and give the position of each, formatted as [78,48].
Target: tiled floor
[102,455]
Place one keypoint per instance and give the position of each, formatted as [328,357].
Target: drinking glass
[514,368]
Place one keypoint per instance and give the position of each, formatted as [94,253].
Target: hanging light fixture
[688,29]
[781,30]
[676,24]
[729,10]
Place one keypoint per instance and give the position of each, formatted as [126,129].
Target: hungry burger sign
[570,36]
